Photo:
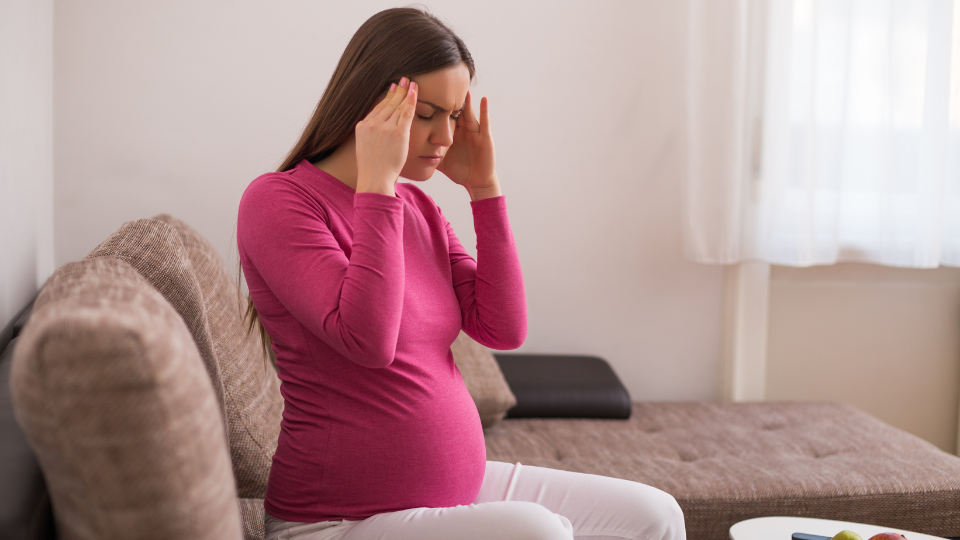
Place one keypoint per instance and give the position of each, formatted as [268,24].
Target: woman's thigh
[518,502]
[597,506]
[515,520]
[500,520]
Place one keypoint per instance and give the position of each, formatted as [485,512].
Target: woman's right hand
[383,138]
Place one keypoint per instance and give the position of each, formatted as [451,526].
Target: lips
[432,159]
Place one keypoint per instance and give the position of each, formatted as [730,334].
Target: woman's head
[392,44]
[389,45]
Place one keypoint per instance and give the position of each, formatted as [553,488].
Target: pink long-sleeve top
[362,295]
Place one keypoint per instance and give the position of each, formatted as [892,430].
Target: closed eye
[454,114]
[422,117]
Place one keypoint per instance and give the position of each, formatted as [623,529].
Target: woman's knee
[530,521]
[661,512]
[675,528]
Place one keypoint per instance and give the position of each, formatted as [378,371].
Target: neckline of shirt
[311,170]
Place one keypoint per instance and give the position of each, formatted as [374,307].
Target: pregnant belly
[434,456]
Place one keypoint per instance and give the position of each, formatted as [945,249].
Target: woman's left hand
[470,160]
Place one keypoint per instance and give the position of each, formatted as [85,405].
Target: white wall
[176,106]
[886,340]
[26,151]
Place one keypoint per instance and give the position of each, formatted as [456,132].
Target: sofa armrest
[25,510]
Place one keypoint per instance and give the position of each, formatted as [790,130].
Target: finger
[469,118]
[408,106]
[485,117]
[375,111]
[462,117]
[396,99]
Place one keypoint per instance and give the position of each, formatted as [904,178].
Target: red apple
[888,536]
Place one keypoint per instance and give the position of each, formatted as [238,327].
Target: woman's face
[439,102]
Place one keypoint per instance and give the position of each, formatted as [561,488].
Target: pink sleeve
[490,289]
[354,304]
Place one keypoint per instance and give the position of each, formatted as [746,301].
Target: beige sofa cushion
[253,514]
[190,274]
[112,394]
[483,378]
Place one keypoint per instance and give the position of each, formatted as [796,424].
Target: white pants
[517,502]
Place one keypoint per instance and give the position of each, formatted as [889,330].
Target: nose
[442,135]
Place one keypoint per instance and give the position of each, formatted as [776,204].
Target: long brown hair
[392,44]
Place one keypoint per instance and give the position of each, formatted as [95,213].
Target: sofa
[150,411]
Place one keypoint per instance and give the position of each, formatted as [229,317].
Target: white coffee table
[782,528]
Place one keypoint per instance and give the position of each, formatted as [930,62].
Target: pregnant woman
[362,287]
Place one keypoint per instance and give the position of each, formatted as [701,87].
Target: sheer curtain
[822,131]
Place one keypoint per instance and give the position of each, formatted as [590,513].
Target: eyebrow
[437,107]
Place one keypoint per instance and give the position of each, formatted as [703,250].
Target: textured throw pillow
[484,379]
[112,394]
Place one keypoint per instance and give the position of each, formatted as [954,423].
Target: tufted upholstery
[726,462]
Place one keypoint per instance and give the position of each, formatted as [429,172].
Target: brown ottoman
[726,462]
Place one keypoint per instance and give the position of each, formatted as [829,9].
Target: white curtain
[822,131]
